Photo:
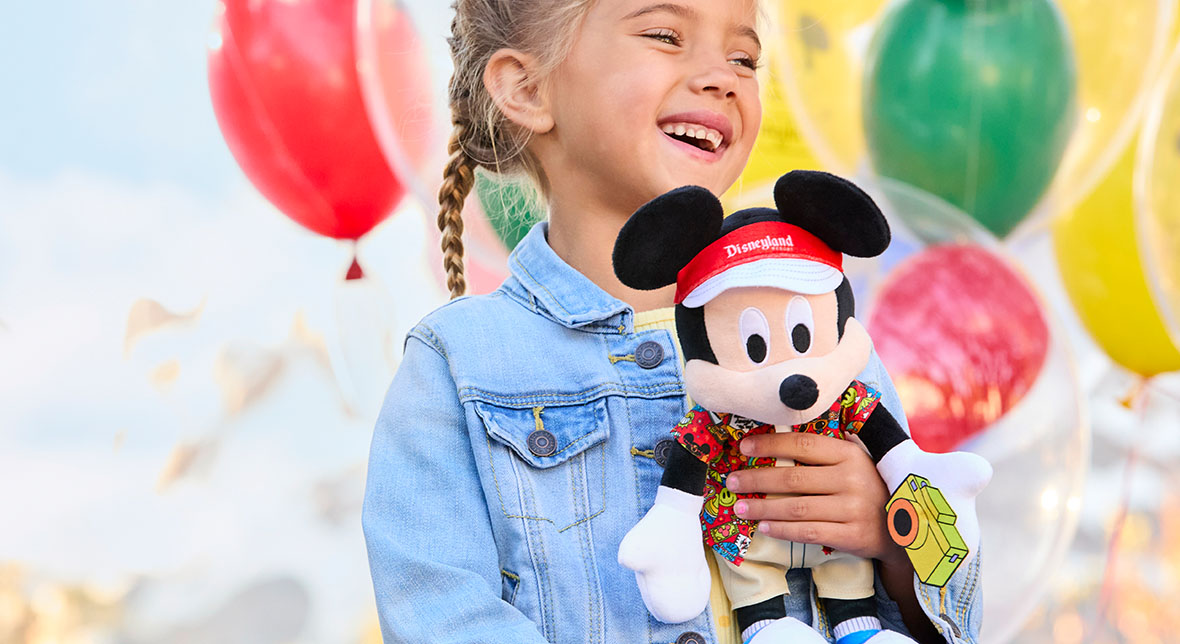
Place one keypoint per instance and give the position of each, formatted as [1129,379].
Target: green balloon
[973,101]
[511,206]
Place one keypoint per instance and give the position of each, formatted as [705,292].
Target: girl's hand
[838,499]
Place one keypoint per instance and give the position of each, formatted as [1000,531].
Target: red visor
[763,240]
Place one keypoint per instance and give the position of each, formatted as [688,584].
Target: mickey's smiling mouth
[702,137]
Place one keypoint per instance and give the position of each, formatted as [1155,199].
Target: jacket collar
[559,290]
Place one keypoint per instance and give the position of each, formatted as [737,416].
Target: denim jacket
[507,465]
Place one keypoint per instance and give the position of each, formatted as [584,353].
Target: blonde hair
[482,137]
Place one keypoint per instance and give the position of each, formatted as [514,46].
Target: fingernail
[747,445]
[740,508]
[763,527]
[732,482]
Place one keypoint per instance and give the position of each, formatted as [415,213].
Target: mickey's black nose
[798,392]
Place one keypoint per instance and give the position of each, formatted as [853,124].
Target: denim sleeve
[957,608]
[431,549]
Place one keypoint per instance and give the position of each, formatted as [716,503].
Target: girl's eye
[800,325]
[745,61]
[755,333]
[664,35]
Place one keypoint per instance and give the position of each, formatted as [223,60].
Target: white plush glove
[666,552]
[960,476]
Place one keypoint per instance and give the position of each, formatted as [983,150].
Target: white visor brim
[792,274]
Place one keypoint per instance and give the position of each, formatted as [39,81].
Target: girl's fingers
[812,449]
[787,480]
[839,536]
[806,509]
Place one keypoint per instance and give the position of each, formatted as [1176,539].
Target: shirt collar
[566,295]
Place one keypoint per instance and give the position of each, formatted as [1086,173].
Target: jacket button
[691,638]
[542,443]
[649,355]
[663,449]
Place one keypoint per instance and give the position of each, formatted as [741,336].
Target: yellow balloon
[1098,256]
[821,47]
[779,149]
[1158,196]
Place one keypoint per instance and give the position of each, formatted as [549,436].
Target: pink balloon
[963,337]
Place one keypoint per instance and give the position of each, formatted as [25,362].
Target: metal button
[663,450]
[691,638]
[649,354]
[542,443]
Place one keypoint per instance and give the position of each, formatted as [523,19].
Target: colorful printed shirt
[714,439]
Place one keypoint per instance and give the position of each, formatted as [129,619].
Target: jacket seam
[428,336]
[932,611]
[499,494]
[547,615]
[475,394]
[553,298]
[965,605]
[589,503]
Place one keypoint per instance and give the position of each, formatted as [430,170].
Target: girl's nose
[717,79]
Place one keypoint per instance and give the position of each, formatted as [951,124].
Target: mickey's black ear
[664,235]
[833,209]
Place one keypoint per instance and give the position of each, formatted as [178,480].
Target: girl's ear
[511,79]
[664,235]
[833,209]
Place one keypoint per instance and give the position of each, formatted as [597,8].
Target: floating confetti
[147,316]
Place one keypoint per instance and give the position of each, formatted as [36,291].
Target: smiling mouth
[699,136]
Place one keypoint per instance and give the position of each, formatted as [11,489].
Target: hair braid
[458,180]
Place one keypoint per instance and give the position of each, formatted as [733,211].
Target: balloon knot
[354,271]
[1135,394]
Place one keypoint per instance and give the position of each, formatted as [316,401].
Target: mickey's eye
[755,333]
[800,325]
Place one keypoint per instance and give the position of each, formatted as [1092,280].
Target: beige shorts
[763,573]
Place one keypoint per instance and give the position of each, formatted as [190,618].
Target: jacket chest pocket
[547,462]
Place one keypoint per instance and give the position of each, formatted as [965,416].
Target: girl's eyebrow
[747,31]
[678,10]
[689,13]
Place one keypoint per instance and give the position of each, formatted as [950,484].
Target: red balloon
[963,337]
[284,84]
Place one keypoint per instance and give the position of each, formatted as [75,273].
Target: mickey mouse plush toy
[765,319]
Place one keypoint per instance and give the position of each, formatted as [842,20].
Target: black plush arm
[881,433]
[684,472]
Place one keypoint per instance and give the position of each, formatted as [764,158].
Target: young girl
[524,432]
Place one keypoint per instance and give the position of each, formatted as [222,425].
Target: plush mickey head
[760,294]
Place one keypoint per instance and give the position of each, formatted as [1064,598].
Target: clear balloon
[1038,442]
[424,154]
[1118,48]
[1028,514]
[779,148]
[395,81]
[1157,196]
[1099,261]
[512,206]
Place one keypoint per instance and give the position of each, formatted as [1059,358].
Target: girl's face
[654,95]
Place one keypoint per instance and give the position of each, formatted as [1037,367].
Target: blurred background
[216,227]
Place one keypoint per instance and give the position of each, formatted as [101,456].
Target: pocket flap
[573,428]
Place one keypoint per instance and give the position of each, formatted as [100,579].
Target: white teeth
[714,137]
